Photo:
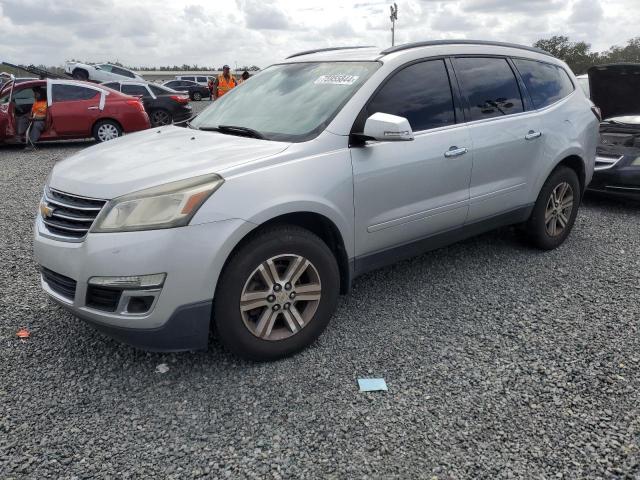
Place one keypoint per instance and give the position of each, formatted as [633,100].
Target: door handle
[532,135]
[93,108]
[455,152]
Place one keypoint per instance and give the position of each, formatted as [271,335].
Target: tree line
[580,57]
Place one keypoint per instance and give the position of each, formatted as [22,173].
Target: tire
[197,96]
[106,130]
[246,331]
[160,117]
[80,74]
[551,222]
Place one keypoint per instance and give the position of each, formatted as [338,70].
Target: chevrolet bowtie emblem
[45,210]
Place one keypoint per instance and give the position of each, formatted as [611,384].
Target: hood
[614,88]
[154,157]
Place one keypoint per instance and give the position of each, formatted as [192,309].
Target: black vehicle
[163,105]
[195,90]
[615,89]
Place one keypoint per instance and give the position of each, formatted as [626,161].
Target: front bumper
[192,258]
[621,180]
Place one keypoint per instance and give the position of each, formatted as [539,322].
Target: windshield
[291,102]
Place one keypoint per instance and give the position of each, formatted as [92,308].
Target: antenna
[393,17]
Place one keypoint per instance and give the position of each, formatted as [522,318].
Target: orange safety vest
[39,110]
[225,85]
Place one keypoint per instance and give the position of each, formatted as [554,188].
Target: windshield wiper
[234,130]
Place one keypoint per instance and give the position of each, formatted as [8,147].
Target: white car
[199,79]
[273,203]
[101,72]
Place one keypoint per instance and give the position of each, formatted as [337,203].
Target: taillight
[597,112]
[180,98]
[136,103]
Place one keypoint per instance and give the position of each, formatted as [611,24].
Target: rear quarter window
[546,83]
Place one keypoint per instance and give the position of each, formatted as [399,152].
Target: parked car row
[164,106]
[75,110]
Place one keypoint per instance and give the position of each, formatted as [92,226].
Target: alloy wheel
[107,132]
[160,117]
[280,297]
[559,209]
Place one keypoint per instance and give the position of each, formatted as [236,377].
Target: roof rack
[317,50]
[431,43]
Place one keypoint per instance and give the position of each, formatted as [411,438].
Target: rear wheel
[80,74]
[197,96]
[555,209]
[160,117]
[106,130]
[276,294]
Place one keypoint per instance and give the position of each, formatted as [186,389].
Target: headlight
[166,206]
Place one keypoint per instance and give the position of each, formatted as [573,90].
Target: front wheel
[277,293]
[555,209]
[197,96]
[80,74]
[106,130]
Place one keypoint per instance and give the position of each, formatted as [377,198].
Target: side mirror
[97,67]
[385,127]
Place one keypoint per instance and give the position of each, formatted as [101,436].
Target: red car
[75,110]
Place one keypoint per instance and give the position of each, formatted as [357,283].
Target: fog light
[140,304]
[135,281]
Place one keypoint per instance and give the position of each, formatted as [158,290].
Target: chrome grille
[69,216]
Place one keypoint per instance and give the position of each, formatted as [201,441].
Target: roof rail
[431,43]
[317,50]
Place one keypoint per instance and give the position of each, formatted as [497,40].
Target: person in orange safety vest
[37,118]
[224,82]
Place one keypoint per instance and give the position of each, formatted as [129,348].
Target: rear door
[506,135]
[74,108]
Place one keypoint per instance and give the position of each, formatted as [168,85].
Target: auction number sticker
[336,79]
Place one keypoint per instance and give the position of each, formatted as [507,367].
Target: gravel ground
[501,361]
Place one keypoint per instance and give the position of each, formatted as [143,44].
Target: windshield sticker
[337,79]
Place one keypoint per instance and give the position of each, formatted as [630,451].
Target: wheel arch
[320,225]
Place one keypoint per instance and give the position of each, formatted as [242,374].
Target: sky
[262,32]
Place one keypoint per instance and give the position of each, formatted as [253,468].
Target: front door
[74,109]
[407,191]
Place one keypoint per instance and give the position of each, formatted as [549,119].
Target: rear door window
[135,90]
[202,79]
[113,85]
[421,93]
[490,87]
[69,93]
[546,83]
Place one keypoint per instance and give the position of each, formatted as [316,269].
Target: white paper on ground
[372,384]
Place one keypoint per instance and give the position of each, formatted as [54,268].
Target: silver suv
[322,167]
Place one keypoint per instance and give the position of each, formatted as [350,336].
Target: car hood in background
[154,157]
[616,89]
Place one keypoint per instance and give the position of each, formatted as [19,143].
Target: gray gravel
[501,361]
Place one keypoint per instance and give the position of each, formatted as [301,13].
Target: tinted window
[24,97]
[202,79]
[421,93]
[135,90]
[172,84]
[123,72]
[546,83]
[158,90]
[114,85]
[66,93]
[490,87]
[104,67]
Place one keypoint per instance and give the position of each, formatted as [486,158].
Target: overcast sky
[153,32]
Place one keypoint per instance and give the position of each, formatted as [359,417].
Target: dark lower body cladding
[619,182]
[187,329]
